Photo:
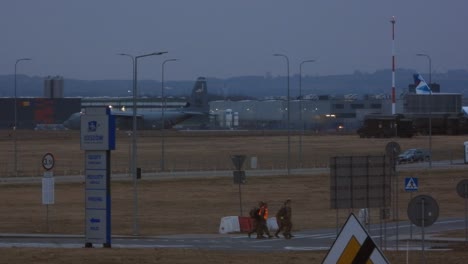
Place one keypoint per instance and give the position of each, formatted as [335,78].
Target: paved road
[384,235]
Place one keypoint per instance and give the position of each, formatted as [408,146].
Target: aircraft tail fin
[199,98]
[421,85]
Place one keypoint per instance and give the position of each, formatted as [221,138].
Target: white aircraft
[152,119]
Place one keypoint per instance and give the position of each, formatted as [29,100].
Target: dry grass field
[192,150]
[182,206]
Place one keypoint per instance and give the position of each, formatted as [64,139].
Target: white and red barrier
[233,224]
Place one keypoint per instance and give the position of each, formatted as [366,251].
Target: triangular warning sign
[238,161]
[354,245]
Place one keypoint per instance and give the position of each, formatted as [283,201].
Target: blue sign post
[97,139]
[411,185]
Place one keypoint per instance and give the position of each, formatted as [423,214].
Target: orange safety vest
[263,212]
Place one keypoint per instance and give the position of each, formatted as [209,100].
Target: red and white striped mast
[393,65]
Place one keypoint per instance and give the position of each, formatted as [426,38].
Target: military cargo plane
[153,119]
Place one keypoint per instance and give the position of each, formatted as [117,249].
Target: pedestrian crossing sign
[411,184]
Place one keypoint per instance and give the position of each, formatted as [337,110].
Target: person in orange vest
[283,218]
[262,223]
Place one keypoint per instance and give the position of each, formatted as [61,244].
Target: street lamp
[300,111]
[134,135]
[430,106]
[289,111]
[430,65]
[15,125]
[163,98]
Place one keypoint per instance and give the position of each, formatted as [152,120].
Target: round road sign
[423,209]
[462,188]
[48,161]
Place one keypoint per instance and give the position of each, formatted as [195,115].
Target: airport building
[48,112]
[321,113]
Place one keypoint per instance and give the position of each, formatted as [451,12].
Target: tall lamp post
[300,111]
[163,98]
[289,111]
[15,125]
[430,105]
[134,135]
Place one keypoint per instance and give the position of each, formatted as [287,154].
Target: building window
[357,106]
[339,106]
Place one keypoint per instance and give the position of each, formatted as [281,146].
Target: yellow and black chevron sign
[354,246]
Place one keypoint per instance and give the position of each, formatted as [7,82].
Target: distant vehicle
[386,126]
[152,119]
[413,155]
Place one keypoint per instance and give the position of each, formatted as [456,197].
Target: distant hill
[379,82]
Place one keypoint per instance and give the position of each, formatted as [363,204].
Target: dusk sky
[219,38]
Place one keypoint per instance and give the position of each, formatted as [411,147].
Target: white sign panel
[97,129]
[95,179]
[96,226]
[97,200]
[48,190]
[95,132]
[96,169]
[95,160]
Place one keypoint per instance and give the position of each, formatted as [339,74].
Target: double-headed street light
[163,98]
[134,134]
[430,106]
[288,165]
[300,111]
[15,125]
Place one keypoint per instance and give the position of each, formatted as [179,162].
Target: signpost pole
[411,185]
[392,149]
[462,190]
[239,175]
[240,194]
[47,218]
[422,225]
[466,212]
[48,185]
[397,204]
[411,224]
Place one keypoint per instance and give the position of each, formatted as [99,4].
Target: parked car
[413,155]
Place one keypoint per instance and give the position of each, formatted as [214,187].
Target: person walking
[262,223]
[255,218]
[283,218]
